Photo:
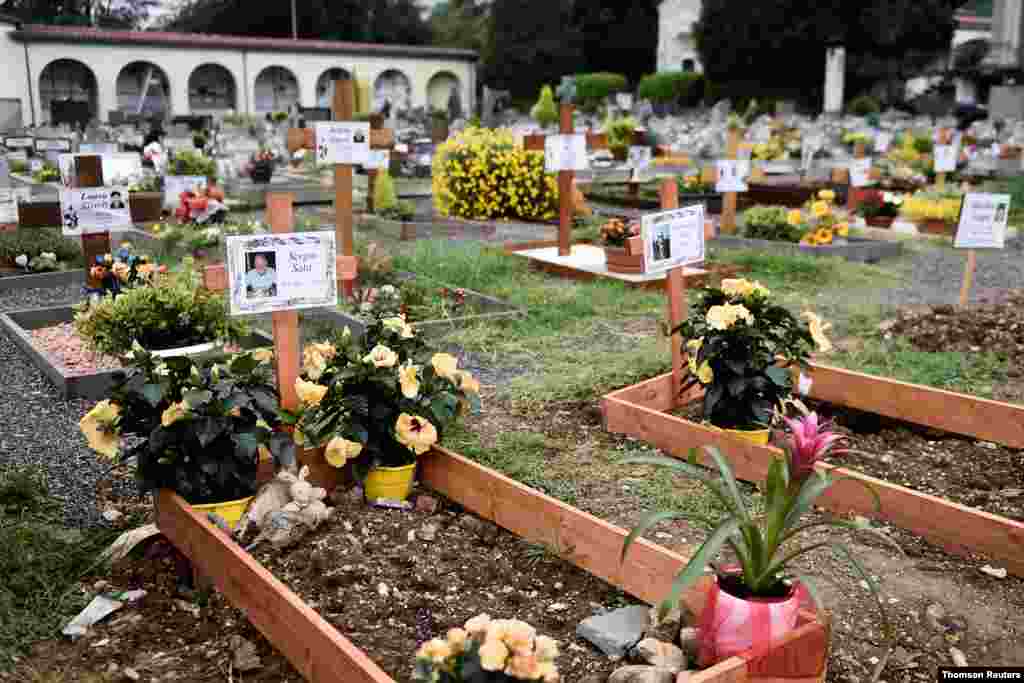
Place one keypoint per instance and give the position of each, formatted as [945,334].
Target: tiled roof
[37,33]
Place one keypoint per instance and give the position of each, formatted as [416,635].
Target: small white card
[342,142]
[21,142]
[945,158]
[379,160]
[94,209]
[9,199]
[565,153]
[673,238]
[732,175]
[281,272]
[53,144]
[174,185]
[983,219]
[860,172]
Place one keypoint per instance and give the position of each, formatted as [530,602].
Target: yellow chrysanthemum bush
[932,205]
[380,400]
[482,174]
[735,336]
[820,221]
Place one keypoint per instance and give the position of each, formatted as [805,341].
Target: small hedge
[593,89]
[34,242]
[673,87]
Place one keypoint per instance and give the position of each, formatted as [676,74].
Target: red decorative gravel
[69,352]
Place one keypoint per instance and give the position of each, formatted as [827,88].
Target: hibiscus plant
[740,346]
[762,536]
[197,427]
[380,400]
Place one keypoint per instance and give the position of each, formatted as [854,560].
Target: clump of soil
[390,580]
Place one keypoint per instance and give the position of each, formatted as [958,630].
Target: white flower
[22,260]
[49,255]
[388,290]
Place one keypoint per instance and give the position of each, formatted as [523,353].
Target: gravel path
[23,299]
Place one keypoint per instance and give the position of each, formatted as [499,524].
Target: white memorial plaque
[281,272]
[9,198]
[53,144]
[342,142]
[860,172]
[983,219]
[565,153]
[97,148]
[174,185]
[732,175]
[94,209]
[640,157]
[624,100]
[945,158]
[673,238]
[378,160]
[19,142]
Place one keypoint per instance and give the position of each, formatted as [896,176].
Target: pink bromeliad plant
[809,440]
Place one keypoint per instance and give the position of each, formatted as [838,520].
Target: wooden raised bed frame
[323,655]
[641,411]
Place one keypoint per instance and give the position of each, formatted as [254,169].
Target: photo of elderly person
[261,278]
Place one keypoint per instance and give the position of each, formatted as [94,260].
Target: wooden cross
[852,200]
[89,173]
[535,143]
[728,223]
[305,138]
[287,351]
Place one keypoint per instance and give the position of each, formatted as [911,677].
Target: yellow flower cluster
[725,316]
[509,646]
[825,224]
[481,174]
[99,426]
[315,358]
[744,288]
[923,206]
[773,150]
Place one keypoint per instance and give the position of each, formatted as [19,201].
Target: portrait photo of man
[261,278]
[115,200]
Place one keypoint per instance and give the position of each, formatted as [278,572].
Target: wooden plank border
[638,411]
[322,654]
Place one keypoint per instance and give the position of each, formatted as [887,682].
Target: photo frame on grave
[673,238]
[94,209]
[303,272]
[983,221]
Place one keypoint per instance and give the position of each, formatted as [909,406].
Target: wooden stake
[728,224]
[675,286]
[669,194]
[280,216]
[565,189]
[89,173]
[344,106]
[859,152]
[969,268]
[376,123]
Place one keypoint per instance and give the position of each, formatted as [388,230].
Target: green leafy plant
[734,338]
[152,183]
[176,312]
[545,112]
[620,131]
[385,198]
[762,540]
[193,163]
[279,116]
[381,400]
[199,428]
[18,166]
[770,223]
[673,87]
[594,88]
[33,243]
[863,105]
[47,174]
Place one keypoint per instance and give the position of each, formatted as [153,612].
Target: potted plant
[935,212]
[262,166]
[146,199]
[193,163]
[620,136]
[880,209]
[754,605]
[623,247]
[775,223]
[47,174]
[37,251]
[174,316]
[380,401]
[491,650]
[200,429]
[819,222]
[120,271]
[692,188]
[852,139]
[740,348]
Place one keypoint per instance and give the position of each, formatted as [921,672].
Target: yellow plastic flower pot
[391,483]
[230,511]
[755,436]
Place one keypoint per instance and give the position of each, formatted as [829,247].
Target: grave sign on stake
[945,155]
[982,225]
[90,210]
[731,179]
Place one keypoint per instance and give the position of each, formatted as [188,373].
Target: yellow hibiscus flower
[98,428]
[725,316]
[415,433]
[381,356]
[795,217]
[310,393]
[468,383]
[445,365]
[408,378]
[339,451]
[705,374]
[174,412]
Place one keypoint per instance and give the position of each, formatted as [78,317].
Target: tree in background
[461,23]
[778,46]
[614,36]
[103,13]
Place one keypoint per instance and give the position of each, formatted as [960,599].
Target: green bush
[47,174]
[193,162]
[34,242]
[864,105]
[545,112]
[18,166]
[924,145]
[176,312]
[384,196]
[593,89]
[682,87]
[770,223]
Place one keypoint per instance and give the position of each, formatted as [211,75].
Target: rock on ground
[662,655]
[642,674]
[614,633]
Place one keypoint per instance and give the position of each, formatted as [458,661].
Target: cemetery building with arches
[126,74]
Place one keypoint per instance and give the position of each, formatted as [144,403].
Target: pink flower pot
[731,625]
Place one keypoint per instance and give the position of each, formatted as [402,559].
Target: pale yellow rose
[381,356]
[725,316]
[417,434]
[467,382]
[310,393]
[445,365]
[733,287]
[174,412]
[818,328]
[409,380]
[519,637]
[547,648]
[457,638]
[478,624]
[339,451]
[705,374]
[435,651]
[492,655]
[524,667]
[548,672]
[263,355]
[315,358]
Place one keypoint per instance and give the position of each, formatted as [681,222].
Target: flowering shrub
[692,184]
[23,247]
[123,270]
[933,205]
[735,338]
[489,651]
[383,400]
[881,205]
[770,223]
[819,222]
[481,174]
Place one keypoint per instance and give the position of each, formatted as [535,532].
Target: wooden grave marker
[729,200]
[89,173]
[287,351]
[980,225]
